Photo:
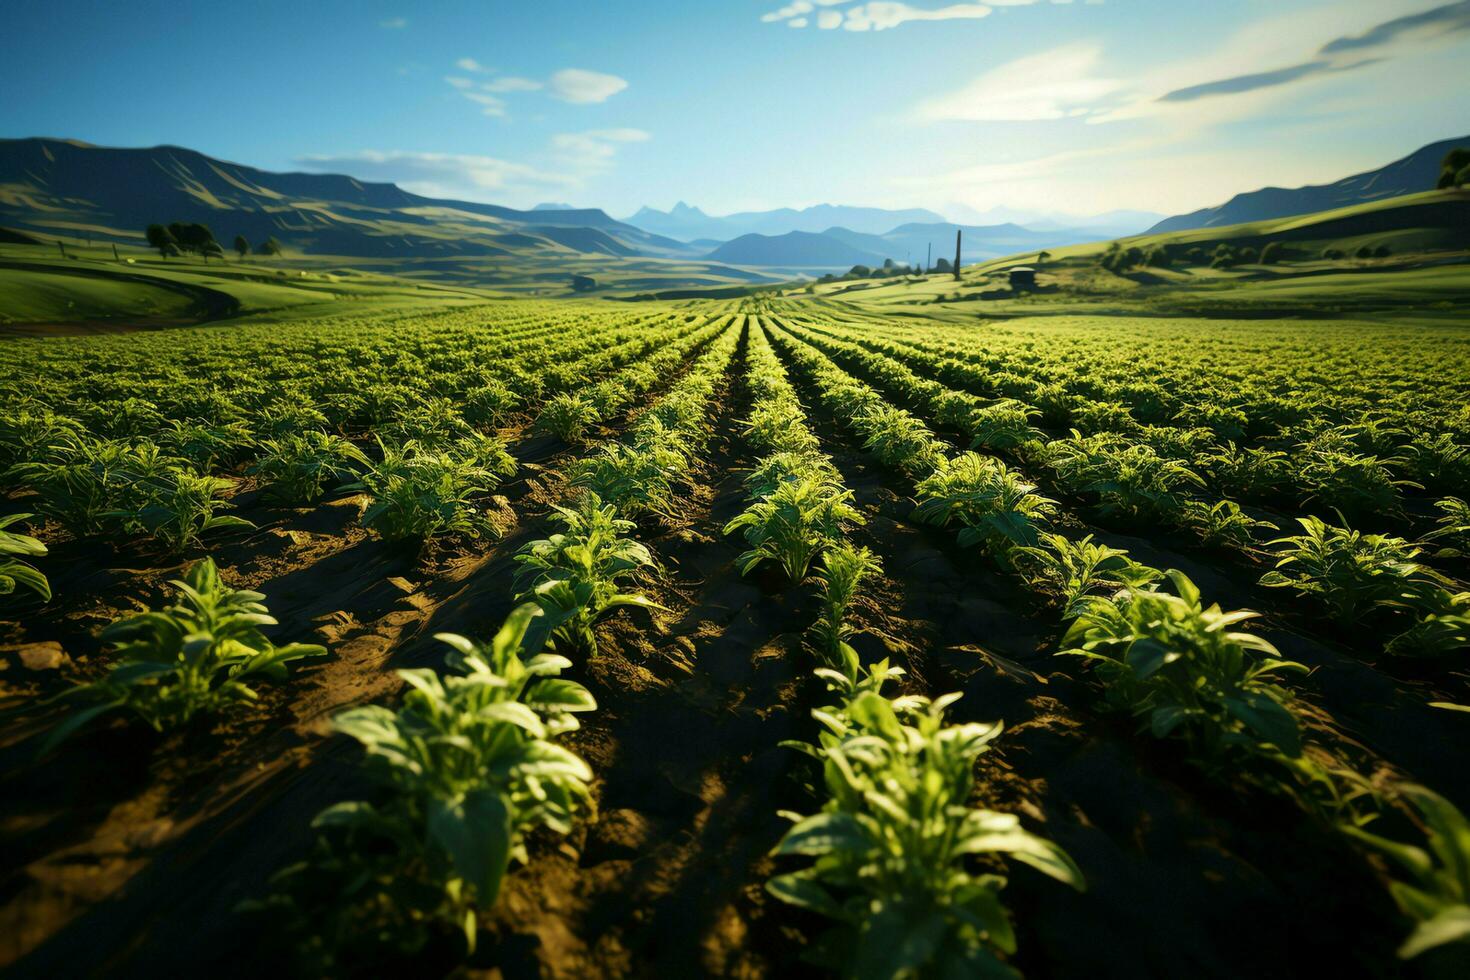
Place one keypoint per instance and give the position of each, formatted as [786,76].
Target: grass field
[858,502]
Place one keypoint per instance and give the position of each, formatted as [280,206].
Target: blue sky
[734,104]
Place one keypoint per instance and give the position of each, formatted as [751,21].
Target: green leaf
[1269,719]
[1450,926]
[823,834]
[799,889]
[476,834]
[561,694]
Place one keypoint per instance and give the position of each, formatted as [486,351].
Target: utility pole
[958,233]
[929,258]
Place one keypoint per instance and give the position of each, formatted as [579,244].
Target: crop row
[888,857]
[1348,575]
[1159,651]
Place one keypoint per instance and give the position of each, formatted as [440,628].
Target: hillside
[688,223]
[71,188]
[1416,172]
[797,249]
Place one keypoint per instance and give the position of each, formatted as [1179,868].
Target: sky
[1065,106]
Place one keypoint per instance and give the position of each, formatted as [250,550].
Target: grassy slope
[1427,275]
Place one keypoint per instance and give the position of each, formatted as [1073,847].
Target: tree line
[179,237]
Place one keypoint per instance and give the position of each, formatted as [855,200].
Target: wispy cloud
[1384,40]
[575,85]
[567,163]
[393,23]
[1055,84]
[582,86]
[882,15]
[1452,18]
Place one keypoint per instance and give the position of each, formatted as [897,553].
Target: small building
[1022,277]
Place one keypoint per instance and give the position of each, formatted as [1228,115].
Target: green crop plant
[15,572]
[415,494]
[1132,481]
[634,479]
[206,445]
[1077,570]
[997,508]
[890,853]
[1179,667]
[1354,484]
[1433,889]
[1247,473]
[839,581]
[190,658]
[1004,425]
[176,508]
[901,441]
[567,416]
[579,575]
[800,520]
[81,485]
[470,764]
[1348,572]
[785,467]
[1223,524]
[301,467]
[1453,528]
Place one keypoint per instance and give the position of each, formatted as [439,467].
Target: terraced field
[736,639]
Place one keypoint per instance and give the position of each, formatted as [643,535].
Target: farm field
[846,628]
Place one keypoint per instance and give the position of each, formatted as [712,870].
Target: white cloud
[592,151]
[882,15]
[1055,84]
[443,174]
[512,83]
[470,64]
[566,164]
[393,23]
[458,82]
[490,105]
[578,85]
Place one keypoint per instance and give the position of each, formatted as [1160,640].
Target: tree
[1195,256]
[942,266]
[242,246]
[889,264]
[1333,254]
[1271,254]
[160,238]
[1042,256]
[1246,254]
[583,284]
[1382,252]
[1158,257]
[268,247]
[1454,169]
[957,234]
[860,272]
[1364,252]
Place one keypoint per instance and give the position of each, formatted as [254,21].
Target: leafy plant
[841,576]
[177,508]
[471,765]
[1453,527]
[890,850]
[798,521]
[1004,424]
[577,575]
[1078,569]
[1435,889]
[1347,571]
[14,572]
[1178,666]
[416,494]
[567,416]
[302,466]
[1131,480]
[187,659]
[901,441]
[1223,524]
[996,506]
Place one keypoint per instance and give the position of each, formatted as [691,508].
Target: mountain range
[77,190]
[67,187]
[1416,172]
